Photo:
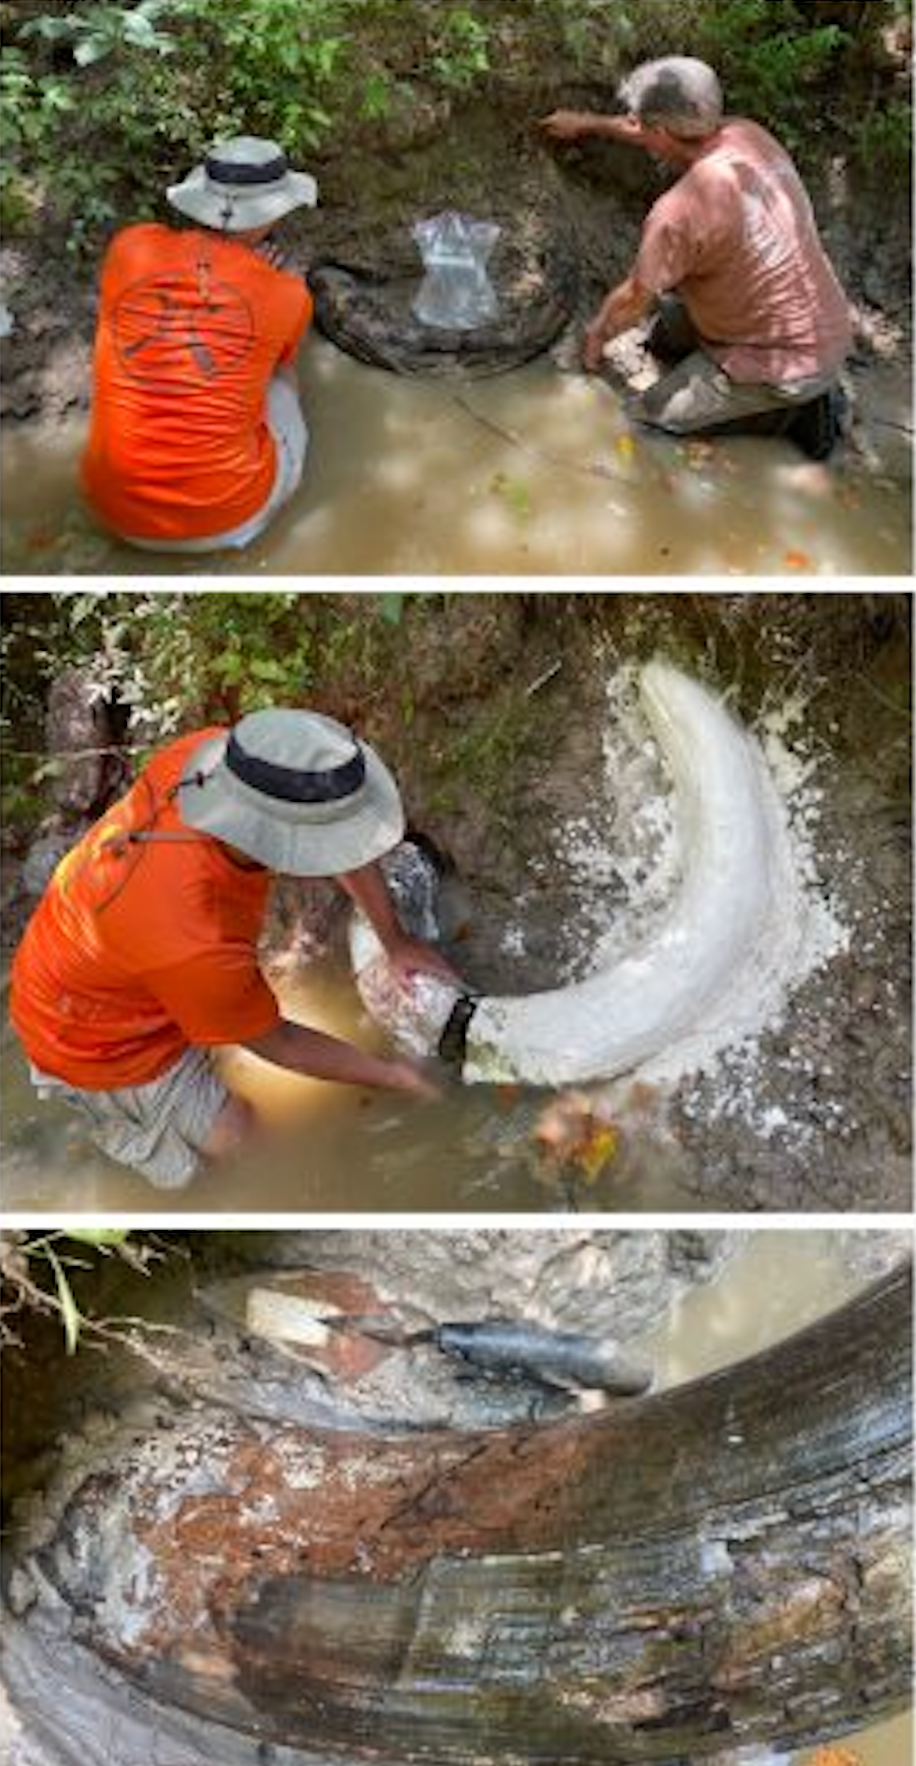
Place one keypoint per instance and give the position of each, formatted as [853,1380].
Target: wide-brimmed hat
[243,184]
[294,790]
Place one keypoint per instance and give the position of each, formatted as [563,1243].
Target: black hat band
[288,783]
[225,171]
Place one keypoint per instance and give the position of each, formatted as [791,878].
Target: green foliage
[100,30]
[769,59]
[463,52]
[178,659]
[31,109]
[43,1249]
[595,43]
[884,141]
[377,98]
[104,104]
[274,64]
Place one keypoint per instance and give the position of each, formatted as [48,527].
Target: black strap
[288,783]
[225,171]
[453,1041]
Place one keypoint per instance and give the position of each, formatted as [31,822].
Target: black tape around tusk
[453,1041]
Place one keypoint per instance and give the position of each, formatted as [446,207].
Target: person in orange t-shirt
[196,436]
[750,307]
[141,956]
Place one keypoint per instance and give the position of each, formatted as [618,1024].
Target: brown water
[883,1744]
[528,473]
[332,1148]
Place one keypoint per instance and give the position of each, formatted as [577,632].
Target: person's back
[736,235]
[197,437]
[144,941]
[191,328]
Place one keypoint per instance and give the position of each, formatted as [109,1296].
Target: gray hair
[676,93]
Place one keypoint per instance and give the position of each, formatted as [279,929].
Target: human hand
[565,125]
[404,1076]
[412,956]
[593,347]
[272,254]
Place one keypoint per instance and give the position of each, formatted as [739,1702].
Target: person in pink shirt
[747,302]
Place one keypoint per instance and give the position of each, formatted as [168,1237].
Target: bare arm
[318,1056]
[571,125]
[368,889]
[624,306]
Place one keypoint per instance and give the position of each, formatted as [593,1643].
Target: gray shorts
[157,1129]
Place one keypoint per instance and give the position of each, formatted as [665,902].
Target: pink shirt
[736,236]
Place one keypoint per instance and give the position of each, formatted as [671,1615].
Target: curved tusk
[723,1565]
[715,967]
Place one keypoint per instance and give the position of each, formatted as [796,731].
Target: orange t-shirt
[192,325]
[736,236]
[139,948]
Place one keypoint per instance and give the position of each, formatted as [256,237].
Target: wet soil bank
[570,219]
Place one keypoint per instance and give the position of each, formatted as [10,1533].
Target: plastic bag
[456,293]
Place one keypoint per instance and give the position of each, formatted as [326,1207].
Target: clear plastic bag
[456,293]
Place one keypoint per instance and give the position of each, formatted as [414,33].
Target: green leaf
[391,608]
[513,491]
[90,50]
[69,1309]
[98,1235]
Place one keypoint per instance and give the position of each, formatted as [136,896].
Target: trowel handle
[558,1358]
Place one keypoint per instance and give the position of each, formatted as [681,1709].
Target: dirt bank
[570,219]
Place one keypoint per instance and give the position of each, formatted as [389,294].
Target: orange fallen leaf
[836,1757]
[593,1152]
[570,1133]
[797,561]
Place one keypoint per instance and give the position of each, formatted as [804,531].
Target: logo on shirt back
[180,330]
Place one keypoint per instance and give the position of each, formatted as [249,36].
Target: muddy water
[531,472]
[884,1744]
[334,1148]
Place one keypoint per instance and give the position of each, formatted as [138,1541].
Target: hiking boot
[817,426]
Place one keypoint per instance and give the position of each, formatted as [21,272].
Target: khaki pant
[157,1129]
[697,395]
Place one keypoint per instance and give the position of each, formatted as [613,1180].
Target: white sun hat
[295,790]
[243,184]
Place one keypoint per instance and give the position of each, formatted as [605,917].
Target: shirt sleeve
[668,249]
[217,997]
